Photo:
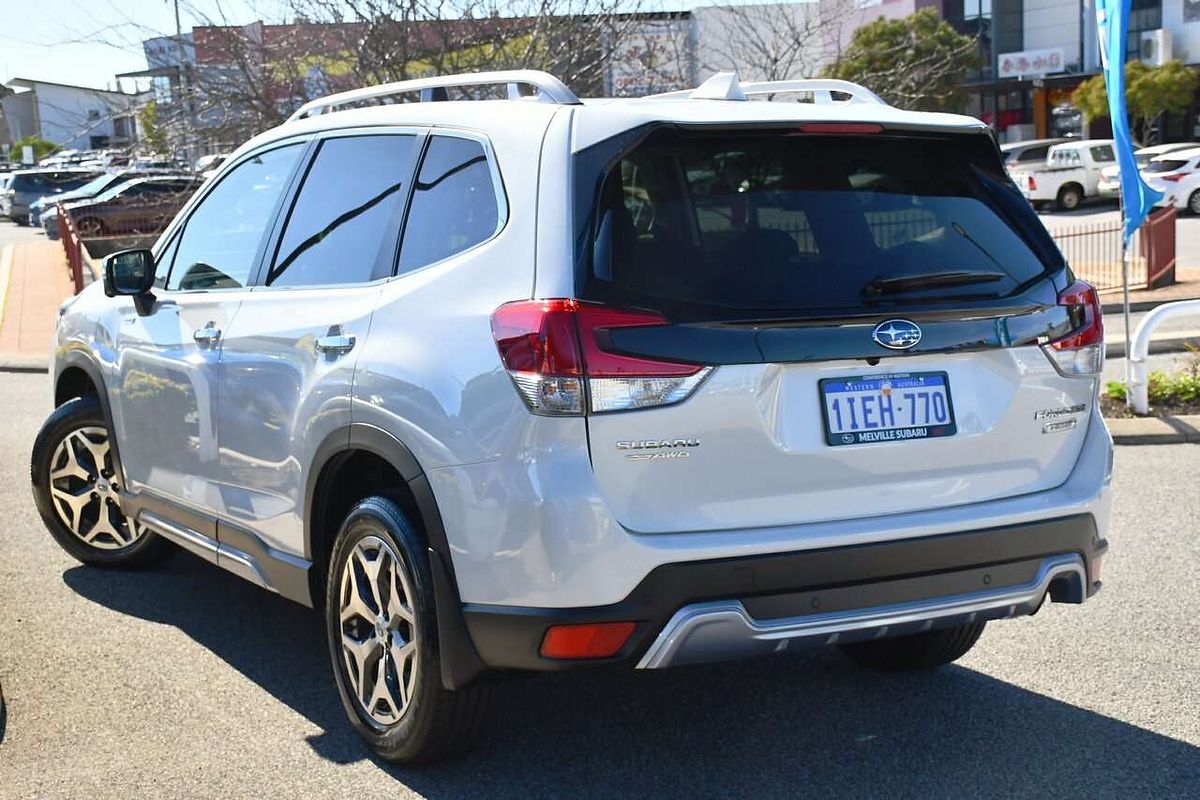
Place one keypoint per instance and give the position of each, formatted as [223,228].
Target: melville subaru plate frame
[896,433]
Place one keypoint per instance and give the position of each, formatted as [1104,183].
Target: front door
[288,359]
[166,404]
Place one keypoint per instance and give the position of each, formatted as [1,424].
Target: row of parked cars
[1066,172]
[124,201]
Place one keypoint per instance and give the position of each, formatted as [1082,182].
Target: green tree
[41,148]
[1149,91]
[153,134]
[918,62]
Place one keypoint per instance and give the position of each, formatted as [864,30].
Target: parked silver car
[505,385]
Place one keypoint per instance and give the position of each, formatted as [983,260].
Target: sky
[88,42]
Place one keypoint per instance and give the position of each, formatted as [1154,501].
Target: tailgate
[750,447]
[869,312]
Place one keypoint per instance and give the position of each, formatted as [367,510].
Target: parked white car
[1110,177]
[1177,176]
[1022,157]
[1071,174]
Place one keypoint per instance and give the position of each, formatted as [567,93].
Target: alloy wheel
[378,630]
[85,492]
[1194,202]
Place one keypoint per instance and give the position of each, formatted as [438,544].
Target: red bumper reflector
[591,640]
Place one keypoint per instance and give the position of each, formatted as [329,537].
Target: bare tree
[772,41]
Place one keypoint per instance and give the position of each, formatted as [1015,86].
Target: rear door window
[769,225]
[454,205]
[345,223]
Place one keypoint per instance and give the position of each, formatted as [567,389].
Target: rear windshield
[34,181]
[1165,166]
[761,225]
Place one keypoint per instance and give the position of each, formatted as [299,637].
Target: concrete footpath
[34,280]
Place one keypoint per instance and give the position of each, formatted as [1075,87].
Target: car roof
[1158,149]
[594,120]
[1079,143]
[1032,143]
[1186,153]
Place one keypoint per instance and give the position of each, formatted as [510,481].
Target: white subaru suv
[536,383]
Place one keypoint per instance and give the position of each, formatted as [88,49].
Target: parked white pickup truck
[1071,174]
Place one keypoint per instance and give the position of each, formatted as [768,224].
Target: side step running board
[230,558]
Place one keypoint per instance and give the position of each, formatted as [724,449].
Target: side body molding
[460,663]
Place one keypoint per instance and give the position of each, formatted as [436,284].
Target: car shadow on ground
[788,725]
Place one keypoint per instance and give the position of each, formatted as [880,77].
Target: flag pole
[1125,300]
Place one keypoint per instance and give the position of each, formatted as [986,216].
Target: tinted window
[747,225]
[1035,154]
[346,219]
[1165,166]
[1103,153]
[222,235]
[454,203]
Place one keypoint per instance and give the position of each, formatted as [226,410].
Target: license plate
[887,408]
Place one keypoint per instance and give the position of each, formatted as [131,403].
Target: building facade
[73,117]
[1035,53]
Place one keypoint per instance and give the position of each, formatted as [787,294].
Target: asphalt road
[183,681]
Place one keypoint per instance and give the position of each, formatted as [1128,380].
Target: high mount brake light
[1079,353]
[840,127]
[557,351]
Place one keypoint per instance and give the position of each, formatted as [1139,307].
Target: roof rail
[549,89]
[726,86]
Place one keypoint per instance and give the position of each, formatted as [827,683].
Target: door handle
[336,342]
[209,333]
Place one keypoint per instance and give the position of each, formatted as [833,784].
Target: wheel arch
[77,375]
[460,664]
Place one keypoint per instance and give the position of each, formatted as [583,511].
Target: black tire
[1069,197]
[22,221]
[144,548]
[436,723]
[1194,203]
[920,651]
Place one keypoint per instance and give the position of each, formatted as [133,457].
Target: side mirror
[130,272]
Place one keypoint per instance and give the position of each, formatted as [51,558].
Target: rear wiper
[898,284]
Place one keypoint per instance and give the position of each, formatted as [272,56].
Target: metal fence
[1094,252]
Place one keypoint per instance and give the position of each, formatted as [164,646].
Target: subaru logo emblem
[897,334]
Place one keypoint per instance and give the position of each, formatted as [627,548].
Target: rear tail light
[1032,183]
[1081,352]
[1176,178]
[560,356]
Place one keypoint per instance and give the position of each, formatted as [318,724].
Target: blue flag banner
[1112,17]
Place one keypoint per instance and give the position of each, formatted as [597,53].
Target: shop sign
[1030,63]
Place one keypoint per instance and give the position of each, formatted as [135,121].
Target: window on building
[1144,15]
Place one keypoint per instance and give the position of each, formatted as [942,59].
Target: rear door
[869,308]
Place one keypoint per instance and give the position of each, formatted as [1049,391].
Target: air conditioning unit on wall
[1155,47]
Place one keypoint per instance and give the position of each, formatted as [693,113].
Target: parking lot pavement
[183,681]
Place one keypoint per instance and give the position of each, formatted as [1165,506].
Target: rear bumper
[727,608]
